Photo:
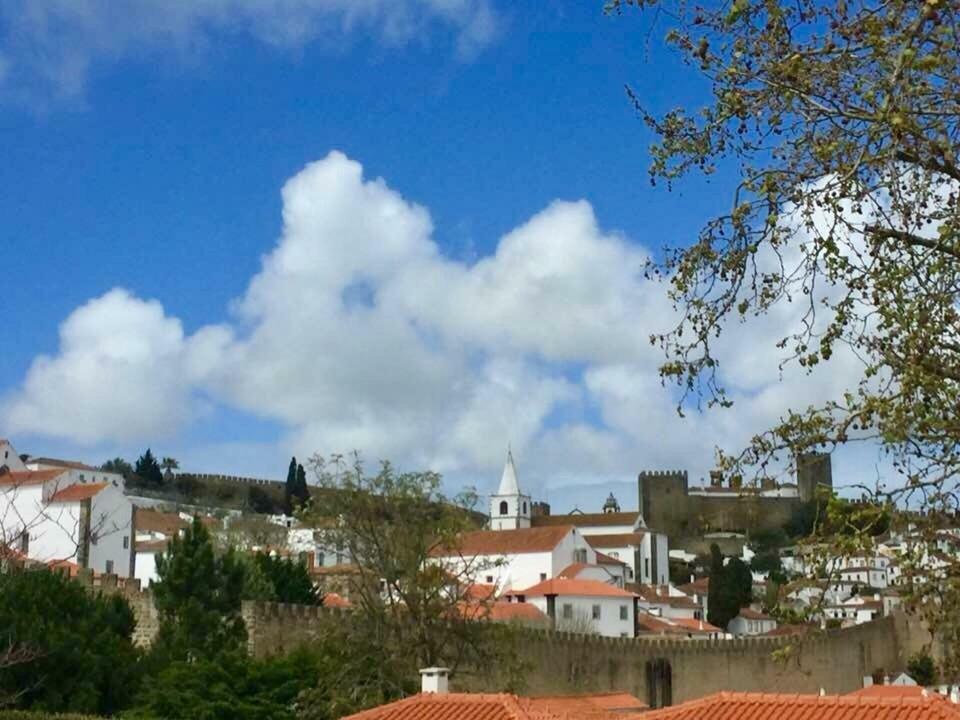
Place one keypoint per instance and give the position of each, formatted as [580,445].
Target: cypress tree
[289,490]
[302,494]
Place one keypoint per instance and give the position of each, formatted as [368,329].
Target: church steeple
[509,508]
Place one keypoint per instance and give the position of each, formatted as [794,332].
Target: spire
[508,481]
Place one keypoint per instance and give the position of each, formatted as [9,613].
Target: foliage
[198,594]
[921,668]
[31,715]
[731,588]
[290,580]
[231,686]
[295,491]
[120,466]
[83,659]
[187,485]
[261,501]
[168,465]
[408,603]
[147,470]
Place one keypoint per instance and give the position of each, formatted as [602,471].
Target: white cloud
[49,47]
[358,333]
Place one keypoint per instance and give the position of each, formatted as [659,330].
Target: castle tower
[509,508]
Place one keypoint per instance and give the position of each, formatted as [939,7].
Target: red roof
[607,560]
[506,542]
[614,540]
[156,521]
[891,691]
[507,611]
[474,706]
[751,614]
[763,706]
[78,492]
[701,586]
[479,591]
[580,519]
[693,625]
[29,477]
[333,600]
[575,705]
[571,571]
[564,586]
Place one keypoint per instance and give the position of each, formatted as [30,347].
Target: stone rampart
[140,601]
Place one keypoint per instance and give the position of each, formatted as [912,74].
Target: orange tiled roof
[614,540]
[333,600]
[54,462]
[701,586]
[165,523]
[751,614]
[479,591]
[607,560]
[30,477]
[507,611]
[764,706]
[564,586]
[692,625]
[78,492]
[628,517]
[506,542]
[891,691]
[620,702]
[153,546]
[571,571]
[473,706]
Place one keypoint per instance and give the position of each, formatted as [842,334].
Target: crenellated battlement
[663,474]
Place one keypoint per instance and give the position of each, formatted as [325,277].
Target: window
[489,579]
[567,611]
[543,576]
[624,612]
[109,566]
[580,555]
[126,542]
[82,478]
[623,634]
[503,507]
[646,567]
[595,612]
[524,508]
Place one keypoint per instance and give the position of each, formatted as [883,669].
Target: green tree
[841,122]
[148,470]
[301,493]
[408,604]
[260,501]
[289,488]
[290,580]
[76,648]
[120,466]
[731,588]
[168,465]
[198,595]
[231,686]
[921,668]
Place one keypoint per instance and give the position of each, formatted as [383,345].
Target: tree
[921,668]
[120,466]
[731,588]
[301,493]
[59,627]
[232,686]
[148,470]
[198,594]
[290,580]
[840,120]
[169,464]
[409,605]
[289,489]
[262,502]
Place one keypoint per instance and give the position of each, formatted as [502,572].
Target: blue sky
[149,155]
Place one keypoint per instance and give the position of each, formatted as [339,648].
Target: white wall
[111,515]
[146,568]
[581,611]
[743,626]
[10,458]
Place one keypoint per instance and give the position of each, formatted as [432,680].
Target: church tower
[509,508]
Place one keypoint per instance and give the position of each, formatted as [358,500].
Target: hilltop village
[625,574]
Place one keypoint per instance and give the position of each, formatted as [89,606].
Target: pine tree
[301,491]
[148,470]
[290,487]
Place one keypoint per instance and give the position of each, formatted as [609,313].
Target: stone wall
[141,602]
[835,661]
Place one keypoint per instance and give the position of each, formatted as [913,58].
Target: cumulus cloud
[48,48]
[359,333]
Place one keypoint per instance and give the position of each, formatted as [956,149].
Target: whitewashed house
[751,622]
[586,606]
[69,514]
[667,601]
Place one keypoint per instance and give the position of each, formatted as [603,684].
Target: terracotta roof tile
[506,542]
[607,560]
[67,464]
[575,705]
[628,517]
[30,477]
[751,614]
[153,546]
[701,586]
[478,706]
[165,523]
[762,706]
[563,586]
[78,492]
[614,540]
[891,691]
[333,600]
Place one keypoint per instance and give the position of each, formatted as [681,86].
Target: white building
[71,514]
[666,601]
[509,509]
[511,559]
[585,606]
[9,457]
[751,622]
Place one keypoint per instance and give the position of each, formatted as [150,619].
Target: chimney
[955,694]
[434,680]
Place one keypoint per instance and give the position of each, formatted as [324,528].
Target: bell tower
[509,508]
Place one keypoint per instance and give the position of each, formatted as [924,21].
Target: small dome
[611,505]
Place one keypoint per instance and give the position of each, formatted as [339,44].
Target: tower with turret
[509,508]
